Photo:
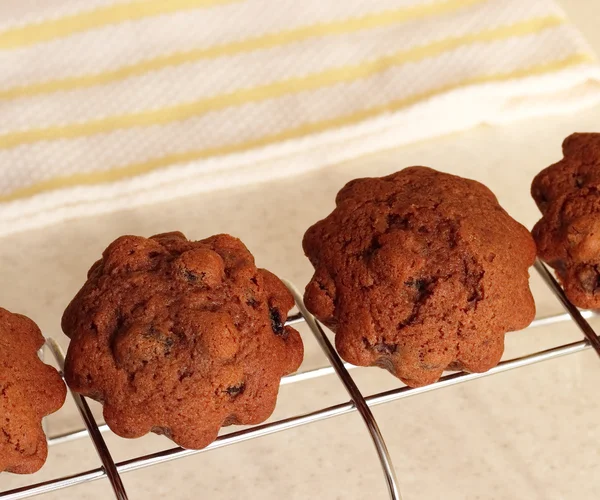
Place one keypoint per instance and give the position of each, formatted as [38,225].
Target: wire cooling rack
[358,402]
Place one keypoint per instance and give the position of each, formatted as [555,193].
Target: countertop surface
[530,433]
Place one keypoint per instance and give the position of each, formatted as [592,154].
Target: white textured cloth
[107,104]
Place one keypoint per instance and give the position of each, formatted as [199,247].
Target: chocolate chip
[120,320]
[385,348]
[373,247]
[165,431]
[589,277]
[185,373]
[476,291]
[158,336]
[190,276]
[541,195]
[231,420]
[380,347]
[397,221]
[234,390]
[409,320]
[276,323]
[420,284]
[423,286]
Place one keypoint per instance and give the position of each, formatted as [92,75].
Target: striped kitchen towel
[107,104]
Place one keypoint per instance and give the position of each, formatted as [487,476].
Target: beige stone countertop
[530,434]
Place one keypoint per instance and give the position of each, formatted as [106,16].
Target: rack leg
[355,394]
[86,414]
[581,322]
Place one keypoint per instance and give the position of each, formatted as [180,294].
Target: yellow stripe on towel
[31,34]
[369,21]
[277,89]
[124,172]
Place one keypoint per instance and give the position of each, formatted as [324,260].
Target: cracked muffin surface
[419,272]
[29,390]
[568,234]
[180,337]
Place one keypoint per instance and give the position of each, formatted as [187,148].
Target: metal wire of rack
[358,402]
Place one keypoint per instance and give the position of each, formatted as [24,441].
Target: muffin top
[420,271]
[180,337]
[568,235]
[29,390]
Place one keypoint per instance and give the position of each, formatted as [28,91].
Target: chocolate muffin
[419,272]
[568,234]
[180,337]
[29,390]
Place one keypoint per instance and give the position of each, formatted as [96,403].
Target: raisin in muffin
[180,337]
[568,235]
[29,390]
[419,272]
